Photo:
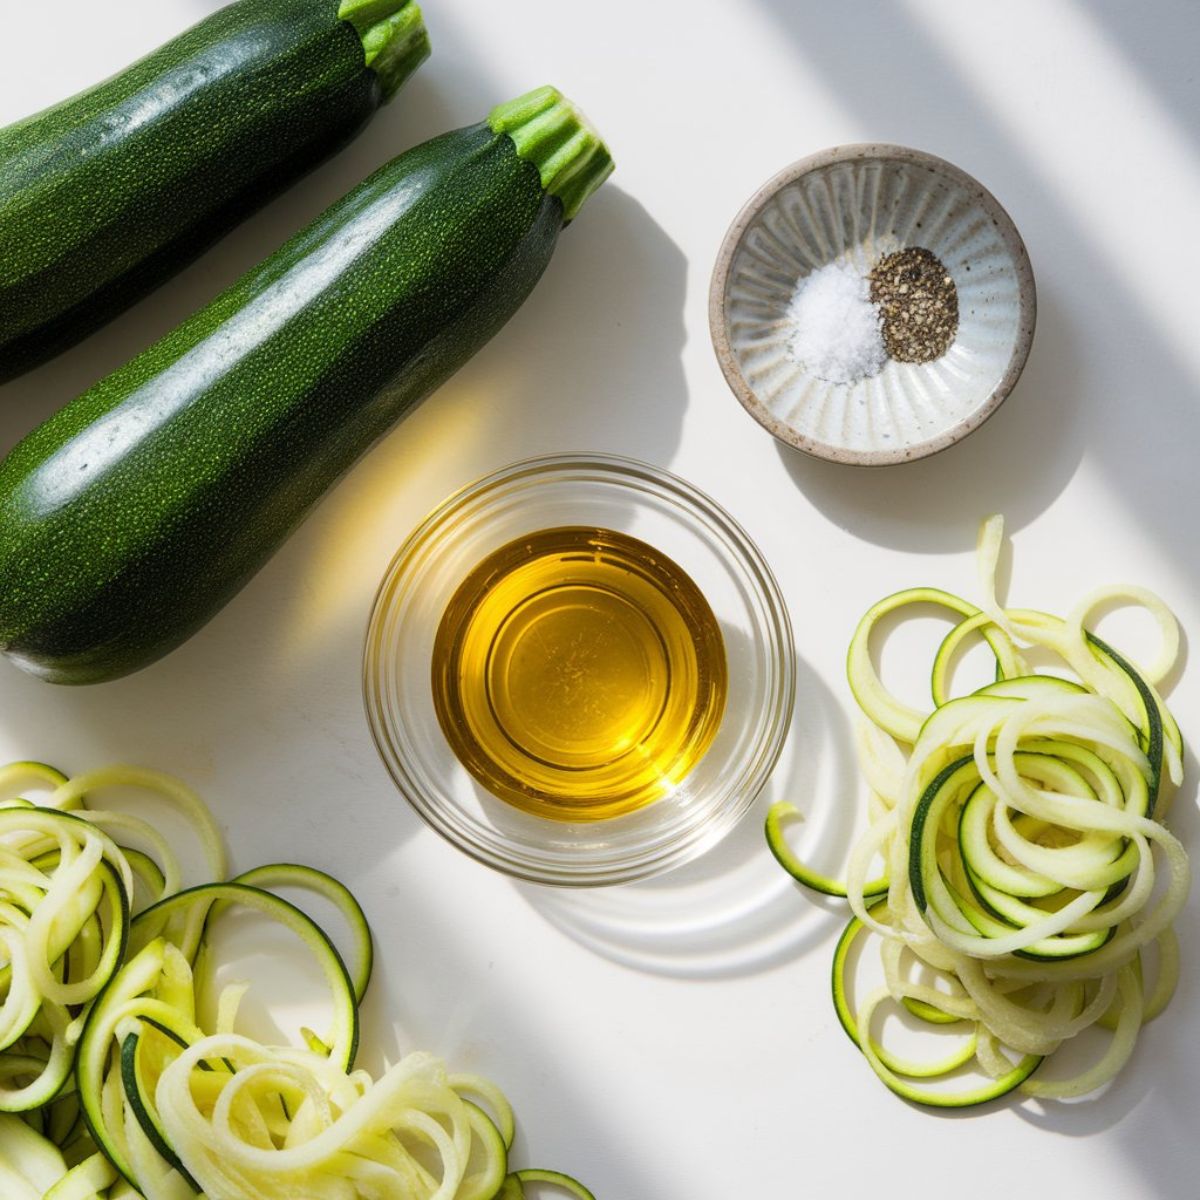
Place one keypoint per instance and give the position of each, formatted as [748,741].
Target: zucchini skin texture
[131,516]
[105,196]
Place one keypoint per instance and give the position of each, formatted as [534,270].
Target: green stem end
[393,37]
[550,132]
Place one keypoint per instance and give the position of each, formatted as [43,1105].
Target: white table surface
[676,1039]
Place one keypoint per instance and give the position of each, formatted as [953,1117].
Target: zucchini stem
[393,36]
[550,132]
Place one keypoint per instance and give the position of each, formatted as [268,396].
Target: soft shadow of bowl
[1017,464]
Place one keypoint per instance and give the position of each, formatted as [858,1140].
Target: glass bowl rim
[726,539]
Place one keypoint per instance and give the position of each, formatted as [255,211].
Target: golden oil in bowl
[578,673]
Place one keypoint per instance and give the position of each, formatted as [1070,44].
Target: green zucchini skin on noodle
[131,516]
[105,196]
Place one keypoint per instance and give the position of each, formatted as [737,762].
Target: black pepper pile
[918,305]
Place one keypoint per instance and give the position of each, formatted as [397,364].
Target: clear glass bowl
[604,492]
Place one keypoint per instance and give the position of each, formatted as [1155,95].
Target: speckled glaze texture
[108,194]
[856,204]
[132,515]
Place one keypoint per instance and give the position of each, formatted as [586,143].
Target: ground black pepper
[918,305]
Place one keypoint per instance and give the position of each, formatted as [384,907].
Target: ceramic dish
[857,204]
[611,493]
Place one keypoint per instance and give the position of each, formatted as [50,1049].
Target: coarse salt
[837,331]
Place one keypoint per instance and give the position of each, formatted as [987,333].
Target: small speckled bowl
[856,204]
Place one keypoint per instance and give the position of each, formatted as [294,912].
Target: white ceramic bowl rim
[717,300]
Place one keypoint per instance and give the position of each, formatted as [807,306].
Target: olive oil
[579,673]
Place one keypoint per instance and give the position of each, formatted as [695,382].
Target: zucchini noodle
[124,1095]
[289,1122]
[67,891]
[1027,870]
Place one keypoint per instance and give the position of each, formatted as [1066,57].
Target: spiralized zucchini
[124,1095]
[1027,868]
[67,889]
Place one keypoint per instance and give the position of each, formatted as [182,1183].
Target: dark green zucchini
[105,196]
[133,514]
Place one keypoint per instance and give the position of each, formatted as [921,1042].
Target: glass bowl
[609,493]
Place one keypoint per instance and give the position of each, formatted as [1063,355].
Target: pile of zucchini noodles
[1026,867]
[110,1089]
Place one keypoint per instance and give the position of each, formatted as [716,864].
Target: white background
[676,1039]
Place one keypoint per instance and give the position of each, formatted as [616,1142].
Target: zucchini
[106,195]
[131,516]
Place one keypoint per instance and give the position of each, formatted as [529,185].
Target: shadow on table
[1015,464]
[1162,51]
